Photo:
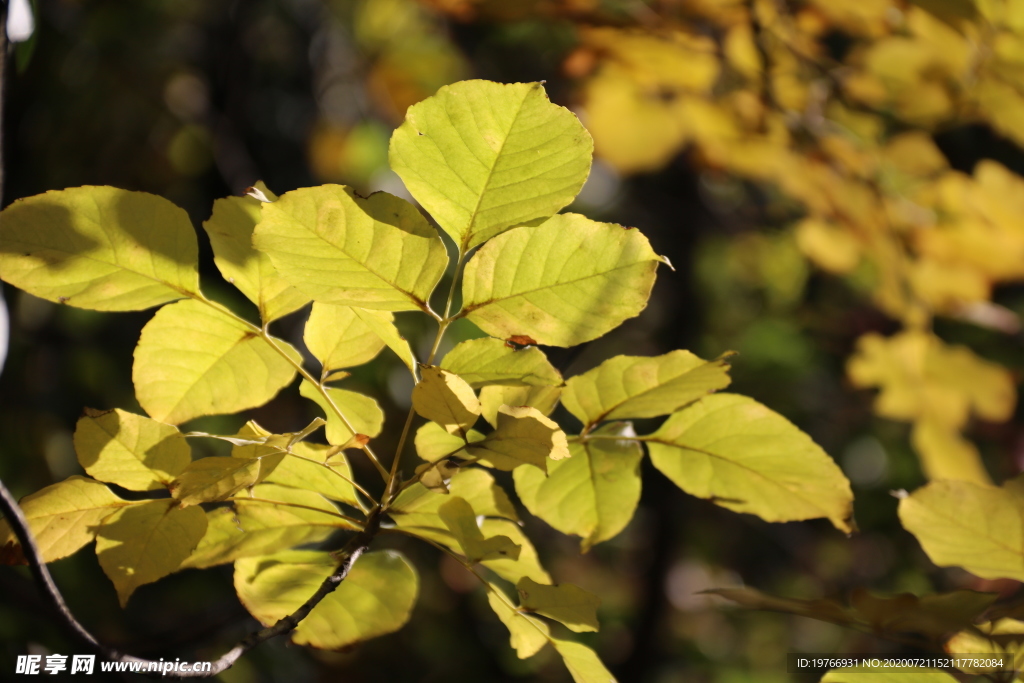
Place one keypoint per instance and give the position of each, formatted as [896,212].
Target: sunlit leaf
[637,387]
[962,524]
[417,507]
[217,478]
[877,675]
[569,604]
[564,282]
[130,450]
[433,442]
[362,412]
[382,324]
[230,229]
[338,338]
[512,570]
[458,516]
[528,635]
[375,599]
[523,436]
[319,468]
[194,360]
[744,457]
[338,248]
[492,361]
[593,493]
[63,517]
[494,396]
[143,543]
[445,398]
[945,454]
[482,157]
[582,662]
[100,248]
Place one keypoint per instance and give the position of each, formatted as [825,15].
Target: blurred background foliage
[810,167]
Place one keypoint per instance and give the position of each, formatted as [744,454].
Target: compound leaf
[523,436]
[973,526]
[638,387]
[130,450]
[747,458]
[63,517]
[339,248]
[569,604]
[563,282]
[230,229]
[592,494]
[458,516]
[362,412]
[194,360]
[144,543]
[482,157]
[100,248]
[376,598]
[492,361]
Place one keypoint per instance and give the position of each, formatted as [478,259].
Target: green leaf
[638,387]
[339,338]
[569,604]
[747,458]
[962,524]
[492,361]
[99,248]
[482,157]
[592,494]
[144,543]
[458,516]
[63,517]
[446,399]
[494,396]
[319,468]
[250,527]
[582,663]
[417,506]
[339,248]
[563,282]
[528,635]
[218,478]
[230,229]
[130,450]
[362,412]
[194,360]
[910,675]
[375,599]
[383,325]
[523,437]
[433,442]
[527,564]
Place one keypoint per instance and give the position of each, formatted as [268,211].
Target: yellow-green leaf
[144,543]
[877,675]
[382,323]
[963,524]
[494,396]
[211,479]
[458,516]
[375,599]
[492,361]
[194,360]
[564,602]
[230,229]
[592,494]
[527,564]
[523,436]
[747,458]
[482,157]
[339,248]
[316,467]
[433,442]
[339,338]
[362,412]
[637,387]
[446,399]
[945,454]
[582,662]
[563,282]
[417,507]
[528,635]
[130,450]
[253,527]
[63,517]
[100,248]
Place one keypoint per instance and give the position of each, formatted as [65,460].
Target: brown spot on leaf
[62,299]
[11,553]
[520,340]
